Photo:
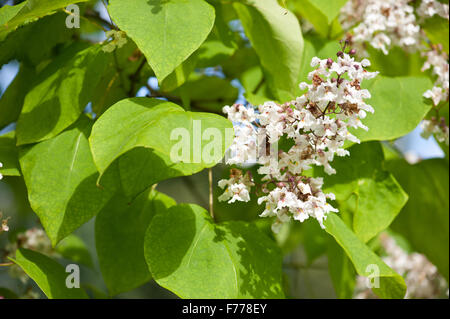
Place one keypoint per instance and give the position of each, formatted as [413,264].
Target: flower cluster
[35,239]
[429,8]
[316,125]
[421,276]
[435,127]
[383,23]
[437,60]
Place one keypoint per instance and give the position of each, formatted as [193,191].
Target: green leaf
[391,284]
[320,13]
[424,221]
[8,12]
[209,93]
[213,52]
[193,257]
[11,101]
[276,37]
[399,107]
[119,236]
[397,63]
[180,75]
[49,275]
[13,17]
[36,41]
[73,248]
[116,82]
[138,133]
[61,92]
[379,197]
[330,9]
[342,272]
[60,176]
[242,60]
[436,29]
[167,32]
[9,155]
[314,240]
[309,51]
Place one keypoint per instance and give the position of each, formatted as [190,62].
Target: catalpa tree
[161,148]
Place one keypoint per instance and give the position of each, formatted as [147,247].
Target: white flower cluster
[437,128]
[35,239]
[437,60]
[383,23]
[429,8]
[316,124]
[440,68]
[421,277]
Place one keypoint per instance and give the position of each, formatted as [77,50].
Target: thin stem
[135,77]
[94,15]
[6,264]
[211,197]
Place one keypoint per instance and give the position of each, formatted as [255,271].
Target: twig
[91,14]
[6,264]
[135,76]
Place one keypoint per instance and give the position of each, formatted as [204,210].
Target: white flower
[1,165]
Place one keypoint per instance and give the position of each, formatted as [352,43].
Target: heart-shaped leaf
[145,136]
[167,32]
[193,257]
